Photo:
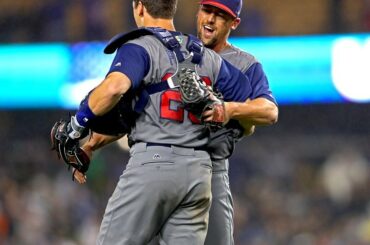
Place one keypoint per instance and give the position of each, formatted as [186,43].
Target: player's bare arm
[96,141]
[108,93]
[102,99]
[259,112]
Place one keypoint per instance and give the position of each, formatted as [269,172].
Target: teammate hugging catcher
[169,84]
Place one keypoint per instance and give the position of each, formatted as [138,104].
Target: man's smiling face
[214,25]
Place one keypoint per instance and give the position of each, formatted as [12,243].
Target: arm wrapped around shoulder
[198,98]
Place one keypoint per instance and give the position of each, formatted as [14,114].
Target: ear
[235,24]
[141,9]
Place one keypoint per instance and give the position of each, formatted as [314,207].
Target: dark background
[302,181]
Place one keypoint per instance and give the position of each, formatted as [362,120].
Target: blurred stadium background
[303,181]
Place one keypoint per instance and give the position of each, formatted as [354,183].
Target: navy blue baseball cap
[232,7]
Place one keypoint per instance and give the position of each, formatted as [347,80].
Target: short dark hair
[164,9]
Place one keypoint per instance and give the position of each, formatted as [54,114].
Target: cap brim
[220,6]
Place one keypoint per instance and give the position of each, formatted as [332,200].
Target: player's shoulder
[146,41]
[235,51]
[211,60]
[238,57]
[210,55]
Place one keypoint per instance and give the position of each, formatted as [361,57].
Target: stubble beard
[208,43]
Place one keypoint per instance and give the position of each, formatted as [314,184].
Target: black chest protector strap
[194,46]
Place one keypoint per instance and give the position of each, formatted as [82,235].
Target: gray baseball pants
[163,190]
[220,228]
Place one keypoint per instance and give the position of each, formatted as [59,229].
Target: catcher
[196,96]
[176,139]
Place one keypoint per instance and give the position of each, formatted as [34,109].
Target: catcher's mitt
[65,136]
[197,97]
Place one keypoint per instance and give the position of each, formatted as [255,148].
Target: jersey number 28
[171,108]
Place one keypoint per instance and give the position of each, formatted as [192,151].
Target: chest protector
[121,118]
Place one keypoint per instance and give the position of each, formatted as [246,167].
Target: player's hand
[248,129]
[211,114]
[65,138]
[81,177]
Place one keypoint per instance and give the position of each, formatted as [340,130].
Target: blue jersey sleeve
[232,83]
[259,83]
[133,61]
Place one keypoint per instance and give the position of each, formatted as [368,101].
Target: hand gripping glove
[65,136]
[197,97]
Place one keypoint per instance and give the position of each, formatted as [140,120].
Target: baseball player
[166,186]
[215,20]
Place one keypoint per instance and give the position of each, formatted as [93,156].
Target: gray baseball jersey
[221,146]
[164,120]
[223,141]
[165,188]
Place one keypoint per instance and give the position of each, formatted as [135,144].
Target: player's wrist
[79,124]
[230,109]
[84,114]
[238,111]
[75,130]
[88,150]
